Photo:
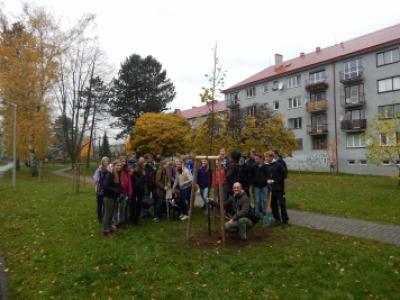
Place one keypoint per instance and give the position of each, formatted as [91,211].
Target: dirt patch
[259,234]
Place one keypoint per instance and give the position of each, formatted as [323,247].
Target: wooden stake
[221,203]
[192,198]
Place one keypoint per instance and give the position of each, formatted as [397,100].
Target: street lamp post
[14,175]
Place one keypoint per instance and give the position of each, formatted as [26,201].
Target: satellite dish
[280,86]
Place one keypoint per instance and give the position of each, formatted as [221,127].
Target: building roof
[203,110]
[362,44]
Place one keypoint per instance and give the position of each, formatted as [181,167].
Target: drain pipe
[334,112]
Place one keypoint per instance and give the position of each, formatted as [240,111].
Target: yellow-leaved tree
[160,133]
[266,131]
[20,62]
[383,142]
[202,135]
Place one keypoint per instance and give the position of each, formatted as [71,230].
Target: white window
[294,123]
[363,162]
[265,88]
[389,84]
[351,161]
[352,69]
[385,162]
[276,105]
[355,140]
[251,92]
[317,76]
[388,57]
[293,81]
[294,102]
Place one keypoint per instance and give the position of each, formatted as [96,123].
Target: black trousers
[100,208]
[135,207]
[278,205]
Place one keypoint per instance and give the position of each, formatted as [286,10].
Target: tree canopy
[160,133]
[383,142]
[141,86]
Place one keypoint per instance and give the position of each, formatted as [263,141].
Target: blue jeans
[185,196]
[260,199]
[204,196]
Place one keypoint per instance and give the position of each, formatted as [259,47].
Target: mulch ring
[200,238]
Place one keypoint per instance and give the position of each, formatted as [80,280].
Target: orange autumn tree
[160,133]
[19,71]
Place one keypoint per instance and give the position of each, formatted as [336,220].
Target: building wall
[318,160]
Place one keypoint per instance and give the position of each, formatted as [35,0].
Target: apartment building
[329,97]
[196,114]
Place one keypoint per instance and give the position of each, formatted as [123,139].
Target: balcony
[234,104]
[349,102]
[354,125]
[353,75]
[317,84]
[317,129]
[317,106]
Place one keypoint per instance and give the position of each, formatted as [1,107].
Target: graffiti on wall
[318,161]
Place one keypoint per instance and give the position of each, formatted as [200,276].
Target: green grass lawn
[374,198]
[54,249]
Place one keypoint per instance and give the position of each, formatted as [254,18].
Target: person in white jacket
[183,181]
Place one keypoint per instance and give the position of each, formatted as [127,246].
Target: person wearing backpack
[98,182]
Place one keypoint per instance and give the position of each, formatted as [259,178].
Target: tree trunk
[33,164]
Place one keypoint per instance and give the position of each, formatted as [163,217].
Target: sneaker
[156,220]
[285,225]
[243,242]
[184,217]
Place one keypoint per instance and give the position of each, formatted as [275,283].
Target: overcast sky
[181,34]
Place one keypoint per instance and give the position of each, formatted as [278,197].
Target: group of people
[129,189]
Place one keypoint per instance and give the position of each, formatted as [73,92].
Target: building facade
[197,114]
[329,97]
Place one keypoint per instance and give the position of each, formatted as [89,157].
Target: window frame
[253,92]
[290,102]
[387,78]
[362,143]
[274,106]
[296,122]
[383,53]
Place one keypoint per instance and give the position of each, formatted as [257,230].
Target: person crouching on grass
[239,205]
[112,191]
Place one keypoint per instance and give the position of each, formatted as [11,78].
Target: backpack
[252,215]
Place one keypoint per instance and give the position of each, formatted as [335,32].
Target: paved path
[352,227]
[362,229]
[4,169]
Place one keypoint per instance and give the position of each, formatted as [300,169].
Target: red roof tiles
[203,110]
[351,47]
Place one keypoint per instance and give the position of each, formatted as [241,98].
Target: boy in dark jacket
[276,181]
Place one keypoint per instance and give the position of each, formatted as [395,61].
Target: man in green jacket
[239,205]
